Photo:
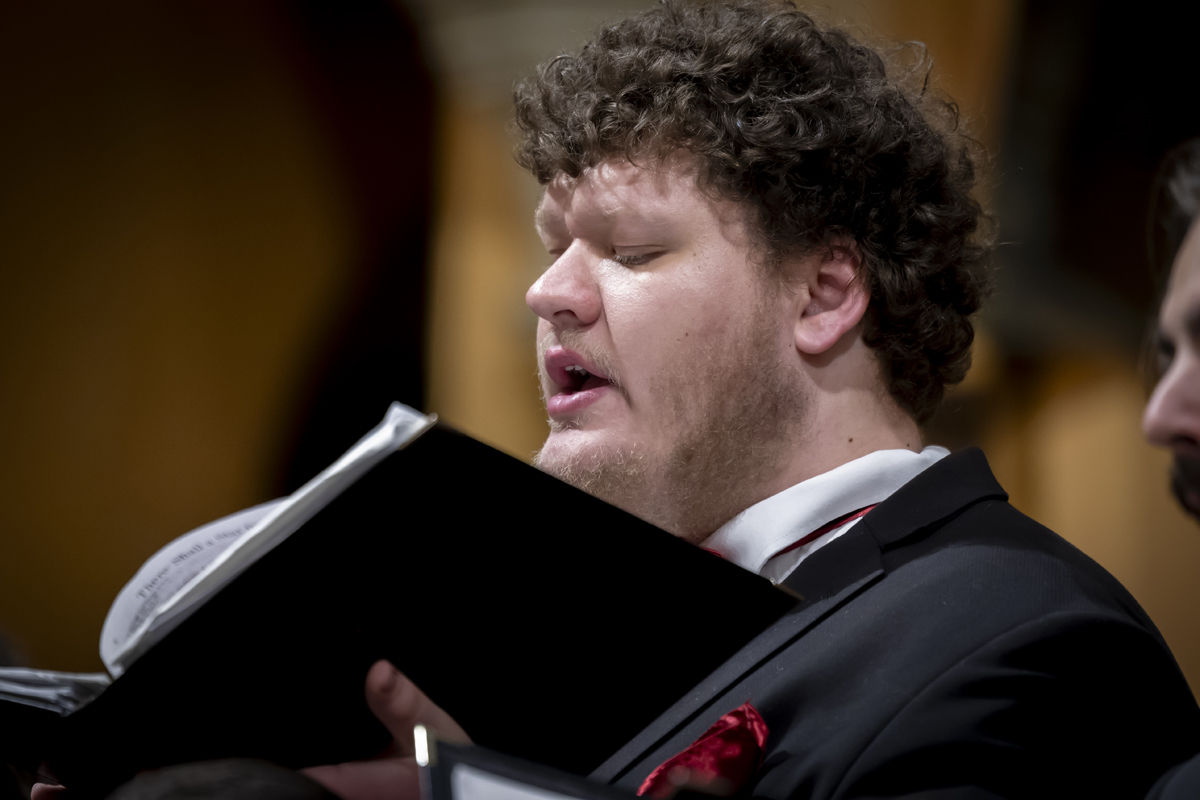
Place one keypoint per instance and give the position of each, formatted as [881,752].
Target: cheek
[649,327]
[651,306]
[1182,381]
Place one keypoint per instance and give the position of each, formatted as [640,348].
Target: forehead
[617,192]
[1181,306]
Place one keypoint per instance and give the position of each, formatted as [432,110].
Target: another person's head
[1172,417]
[760,233]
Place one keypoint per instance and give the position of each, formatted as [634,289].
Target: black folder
[551,625]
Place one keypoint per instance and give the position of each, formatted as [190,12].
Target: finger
[385,779]
[400,705]
[48,791]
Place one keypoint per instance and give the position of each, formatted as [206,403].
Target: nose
[567,294]
[1172,417]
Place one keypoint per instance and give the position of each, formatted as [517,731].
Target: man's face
[663,349]
[1172,416]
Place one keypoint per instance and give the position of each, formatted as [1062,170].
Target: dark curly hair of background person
[1174,206]
[805,125]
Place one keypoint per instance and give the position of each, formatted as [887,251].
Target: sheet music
[135,623]
[168,571]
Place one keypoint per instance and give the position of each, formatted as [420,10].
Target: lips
[578,382]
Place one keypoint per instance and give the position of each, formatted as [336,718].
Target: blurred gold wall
[169,251]
[482,370]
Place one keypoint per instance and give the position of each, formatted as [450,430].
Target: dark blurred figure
[229,779]
[14,784]
[370,79]
[1172,418]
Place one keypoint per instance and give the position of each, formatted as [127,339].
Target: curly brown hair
[805,125]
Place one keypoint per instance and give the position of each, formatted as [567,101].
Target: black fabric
[1182,782]
[948,647]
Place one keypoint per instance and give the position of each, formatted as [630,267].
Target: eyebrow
[606,214]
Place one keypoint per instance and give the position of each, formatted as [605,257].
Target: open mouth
[574,382]
[1185,483]
[580,380]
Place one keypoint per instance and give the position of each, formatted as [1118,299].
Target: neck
[851,414]
[848,425]
[848,414]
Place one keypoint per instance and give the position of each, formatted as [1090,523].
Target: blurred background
[231,232]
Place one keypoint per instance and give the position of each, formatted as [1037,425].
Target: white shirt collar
[755,535]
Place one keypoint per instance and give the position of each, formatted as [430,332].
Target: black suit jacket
[1181,783]
[947,646]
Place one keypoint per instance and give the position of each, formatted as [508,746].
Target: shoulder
[1004,568]
[1182,782]
[991,582]
[952,531]
[985,651]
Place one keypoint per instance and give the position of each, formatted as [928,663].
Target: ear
[835,300]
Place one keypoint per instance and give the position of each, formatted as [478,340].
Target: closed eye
[638,260]
[1164,353]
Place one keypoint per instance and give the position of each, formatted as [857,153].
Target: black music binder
[551,625]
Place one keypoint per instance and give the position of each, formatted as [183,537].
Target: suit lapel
[943,491]
[850,564]
[828,579]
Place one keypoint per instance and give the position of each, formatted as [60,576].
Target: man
[764,259]
[1172,417]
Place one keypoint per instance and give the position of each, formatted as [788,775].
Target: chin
[568,449]
[593,462]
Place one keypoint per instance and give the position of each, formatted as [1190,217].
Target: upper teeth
[575,369]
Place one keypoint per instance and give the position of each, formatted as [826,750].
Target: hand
[399,705]
[47,791]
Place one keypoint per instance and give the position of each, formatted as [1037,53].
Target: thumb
[400,705]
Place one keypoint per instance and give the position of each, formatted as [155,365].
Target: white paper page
[169,570]
[400,426]
[469,783]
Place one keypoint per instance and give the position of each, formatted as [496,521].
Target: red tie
[811,537]
[824,529]
[720,762]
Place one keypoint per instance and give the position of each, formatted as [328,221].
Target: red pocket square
[719,762]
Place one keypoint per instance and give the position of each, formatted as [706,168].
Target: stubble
[732,410]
